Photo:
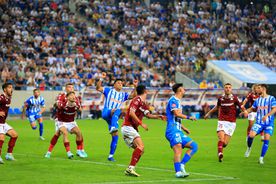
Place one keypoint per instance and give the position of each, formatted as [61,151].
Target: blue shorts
[178,138]
[106,114]
[258,128]
[33,117]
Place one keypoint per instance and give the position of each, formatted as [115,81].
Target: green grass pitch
[155,166]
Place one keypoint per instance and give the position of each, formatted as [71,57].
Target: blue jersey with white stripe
[264,105]
[173,122]
[113,98]
[34,105]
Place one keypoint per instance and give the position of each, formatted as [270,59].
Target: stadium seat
[11,112]
[17,111]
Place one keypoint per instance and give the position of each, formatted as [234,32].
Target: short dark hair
[36,89]
[69,84]
[227,84]
[176,86]
[118,79]
[264,86]
[140,89]
[5,85]
[71,92]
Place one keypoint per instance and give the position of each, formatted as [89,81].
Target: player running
[227,109]
[62,120]
[135,113]
[174,133]
[34,107]
[265,106]
[250,98]
[5,129]
[114,97]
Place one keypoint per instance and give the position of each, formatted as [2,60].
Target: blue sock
[113,144]
[177,166]
[185,159]
[249,141]
[265,147]
[115,117]
[40,129]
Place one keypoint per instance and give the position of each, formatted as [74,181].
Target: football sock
[249,141]
[1,145]
[113,144]
[136,155]
[11,144]
[220,146]
[67,146]
[53,143]
[265,147]
[177,166]
[185,159]
[40,129]
[79,145]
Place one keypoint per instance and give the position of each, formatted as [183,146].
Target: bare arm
[24,110]
[136,119]
[178,113]
[99,86]
[155,116]
[185,129]
[42,110]
[214,109]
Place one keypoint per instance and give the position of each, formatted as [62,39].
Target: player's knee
[194,148]
[34,127]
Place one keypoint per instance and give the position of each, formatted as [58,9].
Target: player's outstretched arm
[99,86]
[136,119]
[178,113]
[272,112]
[24,110]
[155,116]
[211,112]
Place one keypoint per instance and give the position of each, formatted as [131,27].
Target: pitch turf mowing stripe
[216,177]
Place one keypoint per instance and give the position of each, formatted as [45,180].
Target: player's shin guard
[115,117]
[1,145]
[67,146]
[113,144]
[40,129]
[53,143]
[265,147]
[220,147]
[11,144]
[136,155]
[249,141]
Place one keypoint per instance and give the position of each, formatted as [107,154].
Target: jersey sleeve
[255,104]
[106,91]
[126,96]
[42,103]
[237,102]
[174,104]
[28,102]
[273,102]
[249,96]
[2,99]
[219,102]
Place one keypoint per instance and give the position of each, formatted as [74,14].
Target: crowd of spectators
[184,36]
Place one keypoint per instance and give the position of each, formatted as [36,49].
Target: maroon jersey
[5,102]
[251,97]
[140,109]
[228,108]
[67,113]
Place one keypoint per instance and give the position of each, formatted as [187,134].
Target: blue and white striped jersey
[34,105]
[173,122]
[263,107]
[113,98]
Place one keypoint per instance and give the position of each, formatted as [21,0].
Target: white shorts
[252,116]
[227,127]
[129,134]
[68,125]
[4,128]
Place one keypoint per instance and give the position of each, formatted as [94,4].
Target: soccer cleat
[113,129]
[84,154]
[80,154]
[48,155]
[131,172]
[261,160]
[111,159]
[181,174]
[70,155]
[41,138]
[247,153]
[220,156]
[1,161]
[9,156]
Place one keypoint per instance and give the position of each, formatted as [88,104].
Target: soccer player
[227,109]
[135,113]
[72,127]
[114,97]
[174,133]
[250,98]
[34,107]
[5,129]
[265,106]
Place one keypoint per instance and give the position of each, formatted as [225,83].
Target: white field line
[122,165]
